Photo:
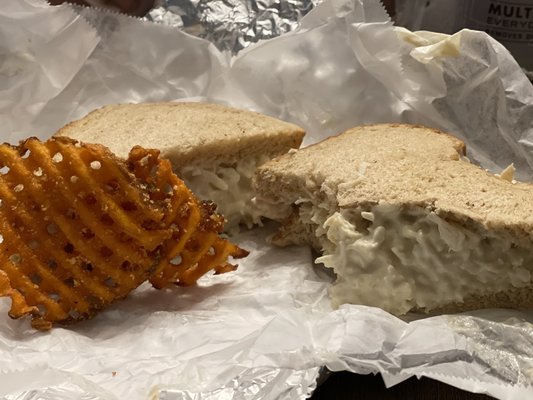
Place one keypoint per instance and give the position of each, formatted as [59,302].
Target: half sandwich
[213,148]
[404,220]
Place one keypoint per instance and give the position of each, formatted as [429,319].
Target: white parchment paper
[264,331]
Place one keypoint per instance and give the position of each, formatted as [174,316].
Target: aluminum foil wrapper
[232,25]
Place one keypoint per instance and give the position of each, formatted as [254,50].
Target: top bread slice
[186,133]
[449,235]
[400,164]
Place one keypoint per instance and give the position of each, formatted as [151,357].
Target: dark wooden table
[348,386]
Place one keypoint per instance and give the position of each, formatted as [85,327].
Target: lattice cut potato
[81,228]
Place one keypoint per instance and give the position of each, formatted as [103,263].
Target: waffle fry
[80,228]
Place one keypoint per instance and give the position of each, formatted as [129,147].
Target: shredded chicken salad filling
[228,186]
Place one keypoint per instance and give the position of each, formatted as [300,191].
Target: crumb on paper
[508,173]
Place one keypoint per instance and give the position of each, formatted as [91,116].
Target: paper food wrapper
[264,331]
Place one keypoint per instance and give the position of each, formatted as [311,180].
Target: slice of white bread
[214,148]
[404,220]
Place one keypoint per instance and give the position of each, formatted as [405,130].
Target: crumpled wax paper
[264,331]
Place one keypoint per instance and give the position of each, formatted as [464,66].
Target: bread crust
[514,297]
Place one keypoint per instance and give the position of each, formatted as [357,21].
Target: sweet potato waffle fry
[80,228]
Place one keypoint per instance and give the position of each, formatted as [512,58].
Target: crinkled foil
[232,25]
[253,384]
[501,342]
